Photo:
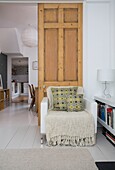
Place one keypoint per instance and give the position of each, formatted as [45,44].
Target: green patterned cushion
[70,91]
[60,96]
[75,103]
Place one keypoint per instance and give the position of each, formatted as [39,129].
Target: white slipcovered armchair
[64,128]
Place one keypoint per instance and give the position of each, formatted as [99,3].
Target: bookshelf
[106,115]
[4,98]
[108,102]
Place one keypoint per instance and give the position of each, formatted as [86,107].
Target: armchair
[78,128]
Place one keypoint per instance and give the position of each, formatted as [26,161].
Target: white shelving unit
[110,102]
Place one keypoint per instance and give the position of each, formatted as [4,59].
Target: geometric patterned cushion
[75,103]
[71,91]
[60,97]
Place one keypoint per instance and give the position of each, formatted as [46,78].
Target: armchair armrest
[44,111]
[91,107]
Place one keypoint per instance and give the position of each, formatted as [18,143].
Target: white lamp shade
[29,37]
[106,75]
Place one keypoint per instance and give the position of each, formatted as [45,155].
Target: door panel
[70,57]
[50,15]
[71,15]
[60,46]
[51,54]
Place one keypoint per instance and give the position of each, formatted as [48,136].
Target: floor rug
[106,165]
[47,159]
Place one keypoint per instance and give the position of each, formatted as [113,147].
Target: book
[109,116]
[102,112]
[114,118]
[98,109]
[110,137]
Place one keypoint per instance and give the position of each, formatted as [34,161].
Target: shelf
[106,126]
[108,101]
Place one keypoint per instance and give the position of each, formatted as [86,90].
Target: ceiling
[18,15]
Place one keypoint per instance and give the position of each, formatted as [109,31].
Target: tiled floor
[18,129]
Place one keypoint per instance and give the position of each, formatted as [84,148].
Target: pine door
[60,46]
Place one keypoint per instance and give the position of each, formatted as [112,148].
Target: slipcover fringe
[71,141]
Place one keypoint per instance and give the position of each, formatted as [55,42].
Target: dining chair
[32,93]
[33,89]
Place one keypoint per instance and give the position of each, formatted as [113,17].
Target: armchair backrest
[50,96]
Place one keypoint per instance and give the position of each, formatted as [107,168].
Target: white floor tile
[6,135]
[96,153]
[18,138]
[29,138]
[37,140]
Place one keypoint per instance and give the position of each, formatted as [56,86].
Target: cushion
[75,103]
[60,97]
[50,95]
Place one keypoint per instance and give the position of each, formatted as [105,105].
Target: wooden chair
[33,89]
[32,93]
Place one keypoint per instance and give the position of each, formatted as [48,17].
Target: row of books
[108,135]
[107,114]
[102,111]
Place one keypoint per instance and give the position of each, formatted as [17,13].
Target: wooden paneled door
[60,46]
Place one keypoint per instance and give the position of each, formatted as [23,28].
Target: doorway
[19,80]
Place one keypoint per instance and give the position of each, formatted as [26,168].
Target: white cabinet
[106,120]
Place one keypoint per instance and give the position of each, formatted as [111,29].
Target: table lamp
[106,76]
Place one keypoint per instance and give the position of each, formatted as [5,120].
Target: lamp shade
[106,75]
[29,37]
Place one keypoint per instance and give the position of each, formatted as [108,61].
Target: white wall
[113,39]
[97,44]
[9,36]
[32,53]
